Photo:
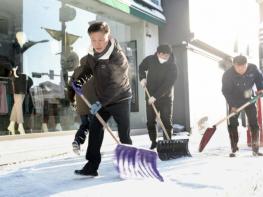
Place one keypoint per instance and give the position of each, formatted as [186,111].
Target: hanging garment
[3,99]
[38,98]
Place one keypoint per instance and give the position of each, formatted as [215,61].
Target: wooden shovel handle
[158,115]
[252,100]
[101,120]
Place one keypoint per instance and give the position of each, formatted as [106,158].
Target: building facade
[205,35]
[56,35]
[56,32]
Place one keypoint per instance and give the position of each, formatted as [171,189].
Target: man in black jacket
[237,84]
[107,63]
[81,107]
[161,75]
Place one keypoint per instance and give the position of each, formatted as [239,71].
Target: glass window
[51,41]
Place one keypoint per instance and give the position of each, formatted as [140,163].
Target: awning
[138,10]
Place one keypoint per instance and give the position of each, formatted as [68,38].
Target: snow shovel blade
[136,163]
[172,149]
[206,137]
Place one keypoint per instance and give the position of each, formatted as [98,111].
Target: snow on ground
[210,173]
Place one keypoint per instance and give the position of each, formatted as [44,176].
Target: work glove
[143,82]
[233,109]
[95,107]
[248,93]
[151,100]
[259,92]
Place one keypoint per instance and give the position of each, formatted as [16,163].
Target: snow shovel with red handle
[131,162]
[169,149]
[210,131]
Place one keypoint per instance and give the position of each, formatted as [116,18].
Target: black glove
[79,83]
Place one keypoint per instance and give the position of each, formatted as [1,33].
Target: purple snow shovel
[210,131]
[169,149]
[131,162]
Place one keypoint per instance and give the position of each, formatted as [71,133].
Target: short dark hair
[99,27]
[240,60]
[164,48]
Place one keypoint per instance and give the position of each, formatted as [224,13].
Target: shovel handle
[252,100]
[157,115]
[101,120]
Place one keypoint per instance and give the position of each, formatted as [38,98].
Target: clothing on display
[3,99]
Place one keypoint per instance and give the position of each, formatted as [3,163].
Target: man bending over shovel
[158,73]
[107,63]
[237,84]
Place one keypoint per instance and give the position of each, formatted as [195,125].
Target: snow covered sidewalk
[31,147]
[210,173]
[36,146]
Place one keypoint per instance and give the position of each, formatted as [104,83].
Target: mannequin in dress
[21,85]
[19,94]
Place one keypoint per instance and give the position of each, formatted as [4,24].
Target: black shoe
[232,155]
[85,173]
[76,147]
[154,145]
[235,149]
[257,153]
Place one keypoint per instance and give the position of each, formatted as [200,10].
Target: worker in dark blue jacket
[237,87]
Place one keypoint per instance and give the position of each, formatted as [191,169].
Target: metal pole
[63,47]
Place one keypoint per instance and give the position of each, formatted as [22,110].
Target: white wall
[146,45]
[221,24]
[205,97]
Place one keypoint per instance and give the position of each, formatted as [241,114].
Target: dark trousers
[251,112]
[51,109]
[164,106]
[84,127]
[121,114]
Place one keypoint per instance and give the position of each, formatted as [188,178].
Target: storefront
[56,35]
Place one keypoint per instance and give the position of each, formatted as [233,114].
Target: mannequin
[21,85]
[20,89]
[19,95]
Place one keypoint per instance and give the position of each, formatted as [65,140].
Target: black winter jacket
[160,77]
[234,85]
[110,71]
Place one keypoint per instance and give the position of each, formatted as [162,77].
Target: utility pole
[65,14]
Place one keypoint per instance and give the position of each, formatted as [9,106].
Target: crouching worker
[237,84]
